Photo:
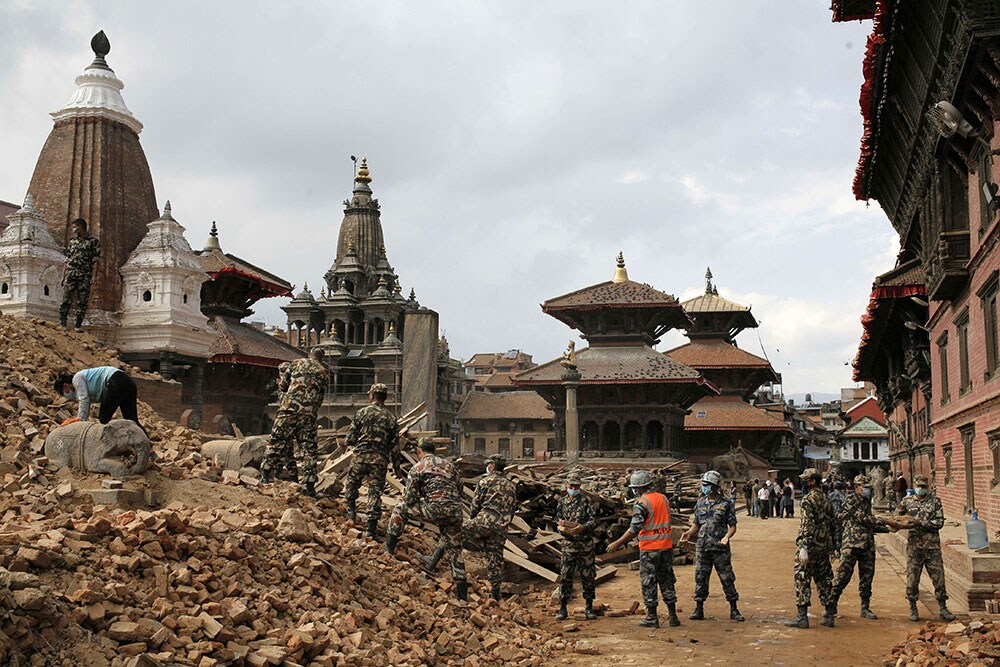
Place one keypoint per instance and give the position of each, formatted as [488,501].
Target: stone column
[367,333]
[571,380]
[167,365]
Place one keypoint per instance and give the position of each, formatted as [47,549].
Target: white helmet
[712,477]
[639,479]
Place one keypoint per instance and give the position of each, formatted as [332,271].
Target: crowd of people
[767,499]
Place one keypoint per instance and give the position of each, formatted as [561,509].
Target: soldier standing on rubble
[374,437]
[434,491]
[923,546]
[651,522]
[492,510]
[860,526]
[815,545]
[302,383]
[81,258]
[714,520]
[575,516]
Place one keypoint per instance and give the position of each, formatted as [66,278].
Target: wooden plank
[605,573]
[520,524]
[526,564]
[619,556]
[545,539]
[514,548]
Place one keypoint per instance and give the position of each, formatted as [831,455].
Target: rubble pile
[972,644]
[254,584]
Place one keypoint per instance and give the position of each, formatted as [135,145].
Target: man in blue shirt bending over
[106,385]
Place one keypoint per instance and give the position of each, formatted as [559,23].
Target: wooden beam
[526,564]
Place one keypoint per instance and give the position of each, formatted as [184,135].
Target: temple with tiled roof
[719,423]
[631,398]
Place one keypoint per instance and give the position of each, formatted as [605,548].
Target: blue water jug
[975,532]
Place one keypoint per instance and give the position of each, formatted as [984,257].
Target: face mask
[706,489]
[867,493]
[573,492]
[921,491]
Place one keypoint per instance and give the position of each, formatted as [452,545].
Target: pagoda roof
[626,364]
[852,10]
[713,303]
[716,354]
[216,263]
[611,294]
[730,413]
[505,405]
[243,344]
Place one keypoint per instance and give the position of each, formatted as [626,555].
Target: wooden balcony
[948,272]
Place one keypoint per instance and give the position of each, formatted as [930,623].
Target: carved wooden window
[993,438]
[946,452]
[550,444]
[962,331]
[988,295]
[480,445]
[943,371]
[528,448]
[504,446]
[968,433]
[985,183]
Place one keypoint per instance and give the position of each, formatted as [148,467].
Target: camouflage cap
[919,478]
[498,460]
[378,388]
[862,480]
[573,479]
[810,473]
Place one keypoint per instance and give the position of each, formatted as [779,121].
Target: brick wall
[162,396]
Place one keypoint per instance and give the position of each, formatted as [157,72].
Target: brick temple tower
[93,167]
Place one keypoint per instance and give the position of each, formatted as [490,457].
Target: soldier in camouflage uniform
[575,515]
[815,545]
[837,497]
[81,256]
[374,437]
[923,546]
[492,510]
[714,520]
[433,491]
[302,383]
[889,489]
[651,523]
[860,526]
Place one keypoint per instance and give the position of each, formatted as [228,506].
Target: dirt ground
[762,559]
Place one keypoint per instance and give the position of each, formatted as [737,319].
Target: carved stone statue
[877,475]
[569,357]
[734,465]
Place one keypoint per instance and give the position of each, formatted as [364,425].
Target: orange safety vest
[655,534]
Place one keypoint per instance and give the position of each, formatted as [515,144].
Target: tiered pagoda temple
[631,399]
[719,423]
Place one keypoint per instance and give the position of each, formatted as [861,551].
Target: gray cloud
[515,147]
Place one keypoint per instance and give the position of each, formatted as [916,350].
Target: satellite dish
[948,120]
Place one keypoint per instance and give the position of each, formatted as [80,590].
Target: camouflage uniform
[492,510]
[923,545]
[816,536]
[714,517]
[656,567]
[433,490]
[374,437]
[889,488]
[577,550]
[837,497]
[302,383]
[860,526]
[81,253]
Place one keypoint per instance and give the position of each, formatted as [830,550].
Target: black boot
[310,489]
[372,529]
[866,611]
[673,621]
[914,614]
[495,592]
[943,610]
[589,611]
[829,614]
[78,327]
[800,621]
[734,612]
[265,476]
[563,614]
[699,612]
[294,474]
[462,590]
[390,544]
[651,620]
[430,562]
[352,510]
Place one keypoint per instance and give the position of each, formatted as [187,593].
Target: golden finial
[621,275]
[363,176]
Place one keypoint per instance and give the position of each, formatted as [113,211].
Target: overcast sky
[515,148]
